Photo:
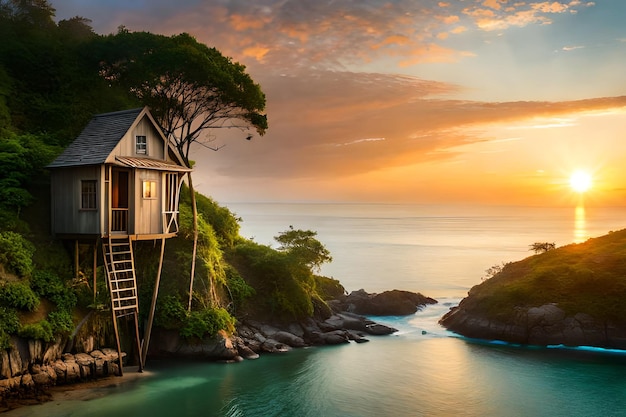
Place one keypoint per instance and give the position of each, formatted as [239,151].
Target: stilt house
[120,176]
[118,182]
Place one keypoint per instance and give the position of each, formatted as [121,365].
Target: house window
[149,189]
[141,145]
[88,194]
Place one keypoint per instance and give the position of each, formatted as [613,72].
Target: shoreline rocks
[539,326]
[31,367]
[345,322]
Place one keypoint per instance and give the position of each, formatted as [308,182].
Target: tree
[189,87]
[541,247]
[304,247]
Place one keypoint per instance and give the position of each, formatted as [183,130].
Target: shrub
[49,285]
[207,323]
[16,253]
[239,289]
[18,295]
[171,312]
[9,324]
[61,322]
[42,331]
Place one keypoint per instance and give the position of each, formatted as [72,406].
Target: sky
[409,101]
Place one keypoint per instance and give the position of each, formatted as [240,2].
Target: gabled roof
[100,137]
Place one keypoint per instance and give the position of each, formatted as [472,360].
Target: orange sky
[489,101]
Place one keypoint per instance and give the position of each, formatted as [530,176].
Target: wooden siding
[154,143]
[67,215]
[148,211]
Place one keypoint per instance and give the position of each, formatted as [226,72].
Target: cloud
[334,124]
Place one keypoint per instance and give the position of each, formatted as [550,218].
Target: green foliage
[61,322]
[328,288]
[16,253]
[170,312]
[161,71]
[49,285]
[224,223]
[239,289]
[9,324]
[18,295]
[281,287]
[588,278]
[41,330]
[304,247]
[207,322]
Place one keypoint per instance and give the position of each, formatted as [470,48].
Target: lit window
[141,145]
[88,194]
[149,189]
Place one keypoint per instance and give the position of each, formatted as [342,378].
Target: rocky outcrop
[387,303]
[344,322]
[544,325]
[21,377]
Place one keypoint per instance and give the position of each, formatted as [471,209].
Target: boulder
[388,303]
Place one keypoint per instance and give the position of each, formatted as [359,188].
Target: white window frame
[141,145]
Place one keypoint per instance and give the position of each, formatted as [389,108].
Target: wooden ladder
[120,268]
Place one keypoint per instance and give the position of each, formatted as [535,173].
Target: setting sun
[580,181]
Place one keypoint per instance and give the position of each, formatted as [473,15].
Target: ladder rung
[122,270]
[119,290]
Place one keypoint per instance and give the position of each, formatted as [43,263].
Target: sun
[580,181]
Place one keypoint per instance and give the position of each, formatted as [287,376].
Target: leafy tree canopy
[188,86]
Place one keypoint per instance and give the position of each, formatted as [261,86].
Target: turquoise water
[422,370]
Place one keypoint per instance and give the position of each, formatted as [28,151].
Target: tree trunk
[194,210]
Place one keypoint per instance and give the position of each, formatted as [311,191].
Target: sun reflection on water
[580,224]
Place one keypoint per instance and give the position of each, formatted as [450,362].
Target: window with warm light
[149,189]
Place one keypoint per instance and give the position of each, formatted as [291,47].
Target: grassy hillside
[589,277]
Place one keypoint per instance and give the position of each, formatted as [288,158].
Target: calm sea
[423,370]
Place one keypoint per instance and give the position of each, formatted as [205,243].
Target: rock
[289,339]
[335,337]
[388,303]
[543,325]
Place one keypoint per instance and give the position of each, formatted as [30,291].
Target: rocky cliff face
[544,325]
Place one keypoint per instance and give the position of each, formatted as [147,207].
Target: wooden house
[118,182]
[120,176]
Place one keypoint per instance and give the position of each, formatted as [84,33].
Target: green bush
[239,289]
[16,253]
[18,295]
[170,312]
[207,323]
[42,331]
[328,288]
[49,285]
[9,324]
[61,322]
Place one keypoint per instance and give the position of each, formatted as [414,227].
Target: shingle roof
[98,139]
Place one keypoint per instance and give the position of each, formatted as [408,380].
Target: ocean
[422,370]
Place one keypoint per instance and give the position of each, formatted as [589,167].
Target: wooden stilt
[95,274]
[137,339]
[155,294]
[117,340]
[76,262]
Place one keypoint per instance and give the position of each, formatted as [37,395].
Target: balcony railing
[119,220]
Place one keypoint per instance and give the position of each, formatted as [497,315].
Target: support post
[95,266]
[76,263]
[155,294]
